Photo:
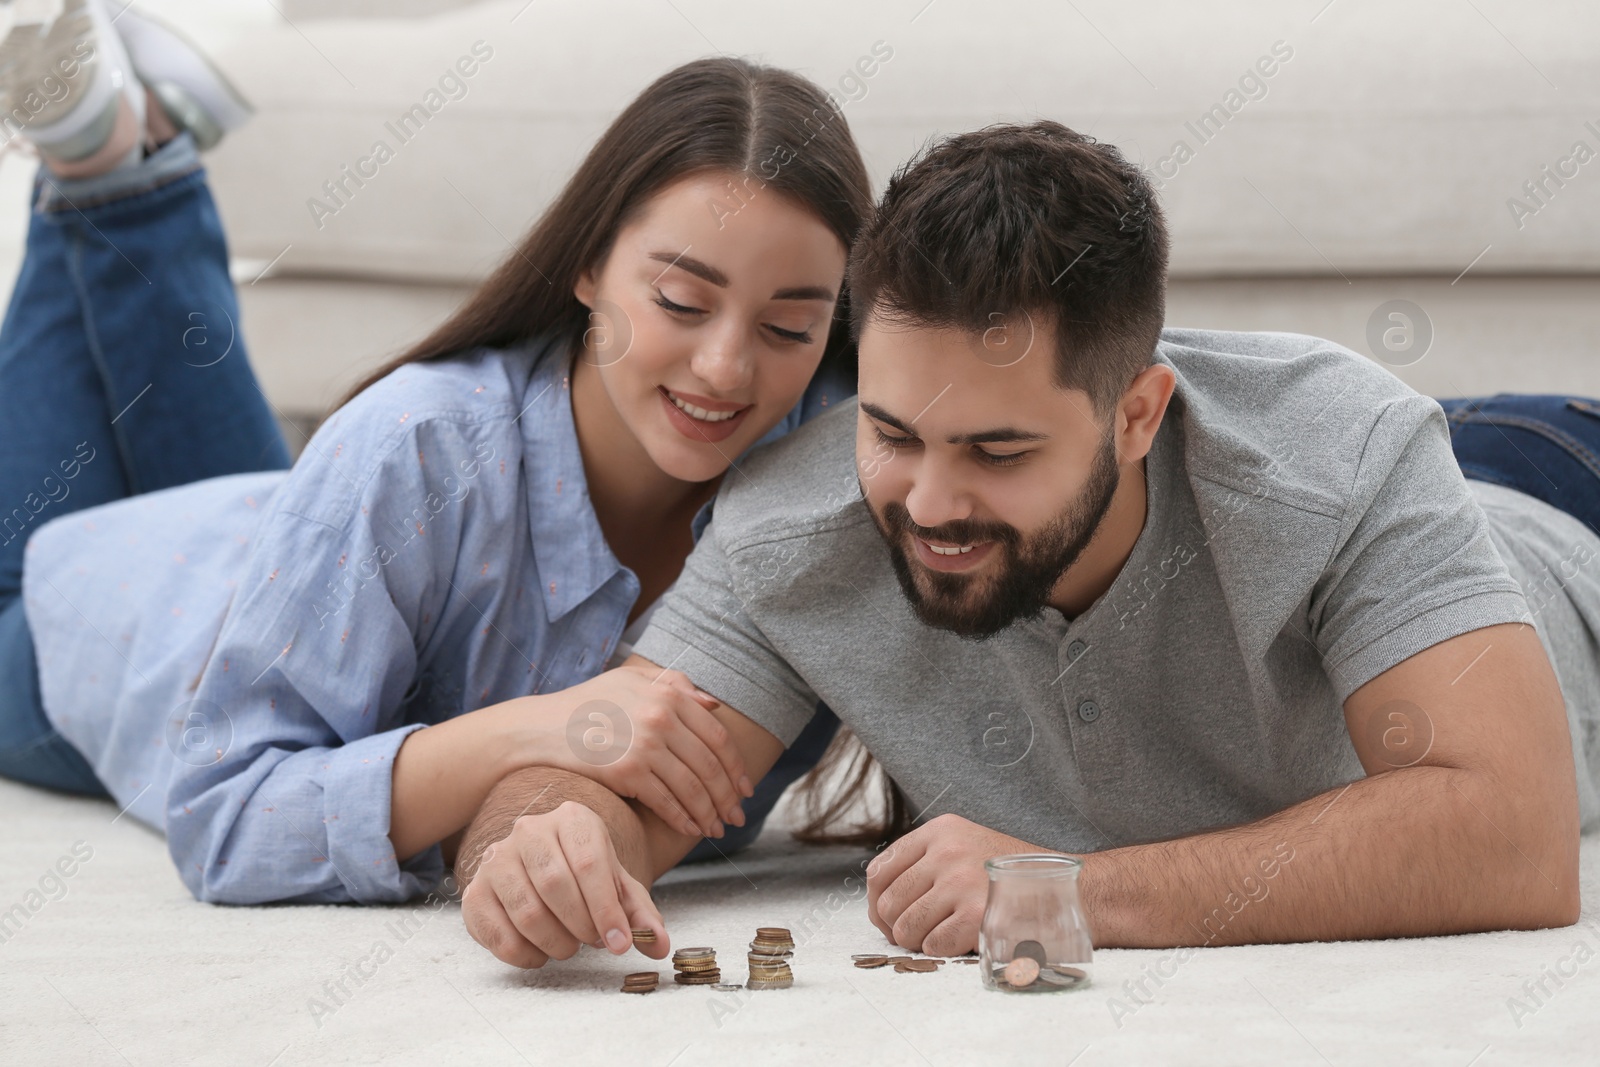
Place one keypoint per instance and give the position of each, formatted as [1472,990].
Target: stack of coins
[772,941]
[769,972]
[644,936]
[769,955]
[696,966]
[641,982]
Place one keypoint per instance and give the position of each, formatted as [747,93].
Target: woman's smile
[700,418]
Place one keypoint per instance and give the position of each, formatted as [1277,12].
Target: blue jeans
[121,372]
[1545,446]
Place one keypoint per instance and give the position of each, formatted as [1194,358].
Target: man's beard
[979,607]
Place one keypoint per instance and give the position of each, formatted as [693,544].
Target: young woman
[311,678]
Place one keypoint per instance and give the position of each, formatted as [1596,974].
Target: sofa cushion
[1396,138]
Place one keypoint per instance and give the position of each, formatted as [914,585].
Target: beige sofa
[1316,162]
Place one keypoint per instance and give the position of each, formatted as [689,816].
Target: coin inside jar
[1022,971]
[1033,950]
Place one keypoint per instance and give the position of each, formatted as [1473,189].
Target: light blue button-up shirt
[240,658]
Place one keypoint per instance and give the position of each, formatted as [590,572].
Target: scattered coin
[916,967]
[1022,971]
[870,961]
[899,959]
[727,987]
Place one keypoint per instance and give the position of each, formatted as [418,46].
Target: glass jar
[1035,937]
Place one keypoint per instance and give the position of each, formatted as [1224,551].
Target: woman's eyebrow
[692,265]
[707,272]
[804,292]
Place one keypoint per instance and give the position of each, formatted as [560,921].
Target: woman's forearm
[443,773]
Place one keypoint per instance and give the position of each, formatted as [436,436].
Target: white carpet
[124,968]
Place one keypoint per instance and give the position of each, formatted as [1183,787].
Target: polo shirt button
[1088,711]
[1076,648]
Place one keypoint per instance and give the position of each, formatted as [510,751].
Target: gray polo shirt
[1307,529]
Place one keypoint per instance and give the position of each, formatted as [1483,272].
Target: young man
[1210,610]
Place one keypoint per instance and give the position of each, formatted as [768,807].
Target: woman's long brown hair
[771,128]
[775,130]
[822,804]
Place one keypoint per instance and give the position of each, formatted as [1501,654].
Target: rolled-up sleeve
[302,698]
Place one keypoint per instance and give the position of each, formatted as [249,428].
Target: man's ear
[1141,409]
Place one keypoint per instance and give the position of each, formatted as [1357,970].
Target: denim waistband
[171,161]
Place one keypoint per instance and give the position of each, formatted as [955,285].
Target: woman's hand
[553,884]
[649,734]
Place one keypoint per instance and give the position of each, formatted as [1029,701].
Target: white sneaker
[62,68]
[196,96]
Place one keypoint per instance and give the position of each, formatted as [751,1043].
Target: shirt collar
[568,544]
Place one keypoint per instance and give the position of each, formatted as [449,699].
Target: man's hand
[554,884]
[927,891]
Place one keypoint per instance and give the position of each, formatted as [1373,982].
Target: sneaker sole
[182,92]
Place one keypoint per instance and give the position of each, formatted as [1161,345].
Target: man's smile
[950,556]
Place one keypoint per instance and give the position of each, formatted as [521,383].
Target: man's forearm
[535,790]
[1425,850]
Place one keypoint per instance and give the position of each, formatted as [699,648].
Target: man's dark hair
[1012,223]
